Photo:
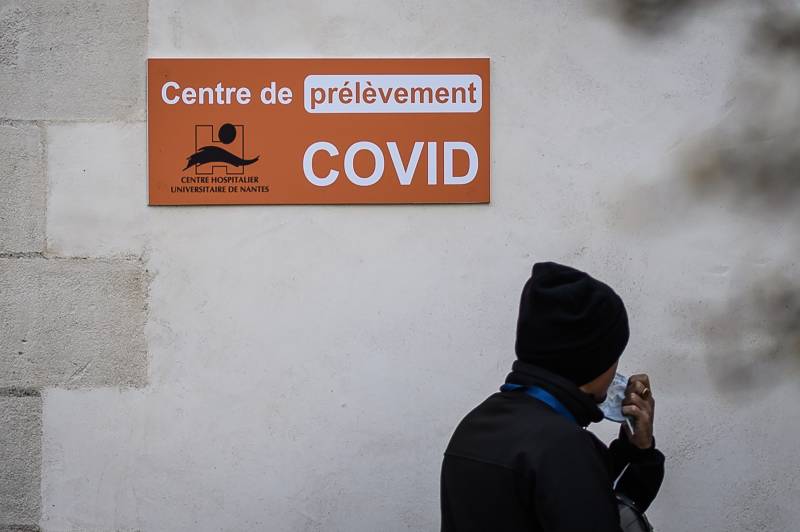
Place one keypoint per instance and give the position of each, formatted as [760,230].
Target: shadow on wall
[649,16]
[751,161]
[755,340]
[779,30]
[755,156]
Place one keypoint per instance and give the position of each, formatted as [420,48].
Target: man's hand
[640,405]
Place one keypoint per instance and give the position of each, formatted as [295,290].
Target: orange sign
[317,131]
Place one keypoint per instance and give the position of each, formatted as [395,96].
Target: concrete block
[20,461]
[72,60]
[97,190]
[24,186]
[72,322]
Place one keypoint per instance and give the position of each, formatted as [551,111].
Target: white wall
[308,364]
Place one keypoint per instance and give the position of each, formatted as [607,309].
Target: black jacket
[515,464]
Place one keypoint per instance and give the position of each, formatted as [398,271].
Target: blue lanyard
[542,395]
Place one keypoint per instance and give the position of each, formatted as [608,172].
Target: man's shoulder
[514,429]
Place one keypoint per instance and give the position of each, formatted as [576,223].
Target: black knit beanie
[570,323]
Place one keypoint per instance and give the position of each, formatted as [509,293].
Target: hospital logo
[218,149]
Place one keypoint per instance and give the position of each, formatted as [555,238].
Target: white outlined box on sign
[386,93]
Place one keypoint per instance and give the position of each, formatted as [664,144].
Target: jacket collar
[578,402]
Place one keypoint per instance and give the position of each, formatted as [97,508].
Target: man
[522,459]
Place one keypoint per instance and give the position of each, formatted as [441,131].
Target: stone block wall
[69,317]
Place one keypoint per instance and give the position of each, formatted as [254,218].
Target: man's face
[598,388]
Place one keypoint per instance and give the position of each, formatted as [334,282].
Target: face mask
[612,406]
